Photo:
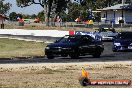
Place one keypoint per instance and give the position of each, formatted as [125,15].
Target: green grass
[10,48]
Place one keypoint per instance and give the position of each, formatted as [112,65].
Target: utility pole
[123,2]
[2,20]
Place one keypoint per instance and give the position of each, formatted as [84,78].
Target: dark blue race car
[75,46]
[122,42]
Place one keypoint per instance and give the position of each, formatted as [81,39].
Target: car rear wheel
[114,50]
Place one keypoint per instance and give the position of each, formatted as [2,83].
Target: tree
[75,10]
[50,6]
[33,16]
[26,16]
[13,16]
[41,15]
[4,7]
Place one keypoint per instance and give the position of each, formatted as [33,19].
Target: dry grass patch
[19,48]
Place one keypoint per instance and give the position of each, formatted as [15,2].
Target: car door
[87,44]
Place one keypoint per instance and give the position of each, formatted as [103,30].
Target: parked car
[123,42]
[26,21]
[95,34]
[106,29]
[74,46]
[107,34]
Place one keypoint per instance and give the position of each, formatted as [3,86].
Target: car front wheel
[96,55]
[50,56]
[114,50]
[74,54]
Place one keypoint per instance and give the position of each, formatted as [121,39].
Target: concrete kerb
[45,39]
[52,33]
[46,36]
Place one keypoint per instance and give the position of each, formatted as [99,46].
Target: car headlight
[117,44]
[65,48]
[59,47]
[47,48]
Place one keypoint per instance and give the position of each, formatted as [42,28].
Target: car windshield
[107,30]
[66,39]
[125,35]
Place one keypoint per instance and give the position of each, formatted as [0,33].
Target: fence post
[66,24]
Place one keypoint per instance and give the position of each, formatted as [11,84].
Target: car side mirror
[56,41]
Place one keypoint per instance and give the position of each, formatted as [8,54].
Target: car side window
[86,39]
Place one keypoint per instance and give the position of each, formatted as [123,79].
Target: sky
[33,9]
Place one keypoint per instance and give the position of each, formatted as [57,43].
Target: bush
[121,21]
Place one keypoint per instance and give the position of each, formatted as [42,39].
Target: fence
[66,25]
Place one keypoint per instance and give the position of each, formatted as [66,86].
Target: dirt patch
[61,75]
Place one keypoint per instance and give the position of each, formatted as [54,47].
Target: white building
[116,13]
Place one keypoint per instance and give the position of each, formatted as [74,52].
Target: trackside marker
[84,80]
[71,32]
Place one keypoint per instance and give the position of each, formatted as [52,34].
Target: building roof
[127,7]
[118,7]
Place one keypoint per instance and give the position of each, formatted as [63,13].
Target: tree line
[68,10]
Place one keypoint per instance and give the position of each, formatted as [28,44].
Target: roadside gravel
[61,75]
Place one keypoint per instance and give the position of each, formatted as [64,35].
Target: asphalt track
[107,56]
